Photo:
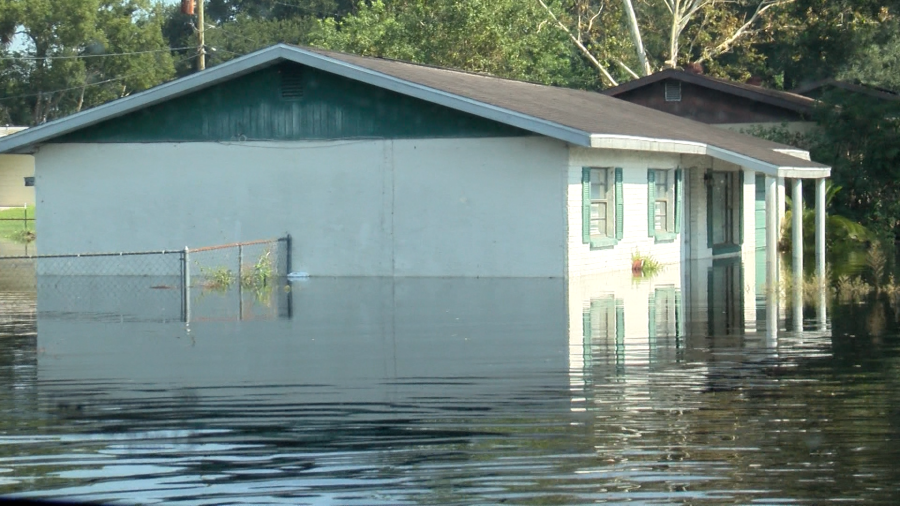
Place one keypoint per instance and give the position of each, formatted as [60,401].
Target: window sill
[664,237]
[726,249]
[603,242]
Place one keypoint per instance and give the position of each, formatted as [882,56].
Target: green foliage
[217,279]
[14,227]
[82,35]
[506,38]
[644,266]
[258,275]
[860,139]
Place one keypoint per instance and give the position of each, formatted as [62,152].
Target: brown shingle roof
[784,99]
[589,112]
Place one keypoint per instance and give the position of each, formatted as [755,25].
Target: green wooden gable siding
[290,102]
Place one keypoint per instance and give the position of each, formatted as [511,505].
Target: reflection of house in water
[630,320]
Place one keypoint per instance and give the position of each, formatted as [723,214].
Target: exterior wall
[13,170]
[450,207]
[582,260]
[708,105]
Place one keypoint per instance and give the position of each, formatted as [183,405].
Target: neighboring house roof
[787,100]
[578,117]
[9,130]
[817,87]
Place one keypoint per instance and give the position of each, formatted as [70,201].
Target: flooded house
[385,168]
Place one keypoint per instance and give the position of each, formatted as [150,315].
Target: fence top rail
[87,255]
[233,245]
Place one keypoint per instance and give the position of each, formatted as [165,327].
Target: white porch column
[797,227]
[782,204]
[820,230]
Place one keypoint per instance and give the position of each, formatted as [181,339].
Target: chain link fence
[238,281]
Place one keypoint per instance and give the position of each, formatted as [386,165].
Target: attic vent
[291,83]
[673,91]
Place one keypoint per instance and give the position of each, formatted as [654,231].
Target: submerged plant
[259,274]
[644,266]
[217,278]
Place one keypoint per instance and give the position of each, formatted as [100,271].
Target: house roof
[873,91]
[578,117]
[787,100]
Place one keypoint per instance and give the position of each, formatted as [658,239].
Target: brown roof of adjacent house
[787,100]
[579,117]
[817,86]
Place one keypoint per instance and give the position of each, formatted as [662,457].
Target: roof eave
[636,143]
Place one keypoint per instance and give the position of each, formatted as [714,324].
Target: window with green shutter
[602,211]
[662,204]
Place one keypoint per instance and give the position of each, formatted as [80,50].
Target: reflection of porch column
[820,229]
[771,234]
[797,227]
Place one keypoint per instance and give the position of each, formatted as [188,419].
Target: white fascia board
[161,93]
[439,97]
[799,153]
[637,143]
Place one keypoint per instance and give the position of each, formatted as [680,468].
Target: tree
[507,38]
[72,54]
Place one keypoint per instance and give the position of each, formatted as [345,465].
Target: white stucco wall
[13,171]
[439,207]
[582,259]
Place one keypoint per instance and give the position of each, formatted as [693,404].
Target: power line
[98,83]
[104,55]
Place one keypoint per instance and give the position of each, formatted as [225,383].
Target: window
[663,201]
[602,212]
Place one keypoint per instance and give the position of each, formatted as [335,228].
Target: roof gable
[289,101]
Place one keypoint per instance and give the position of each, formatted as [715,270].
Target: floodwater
[449,391]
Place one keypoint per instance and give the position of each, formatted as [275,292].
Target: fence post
[288,259]
[186,284]
[25,217]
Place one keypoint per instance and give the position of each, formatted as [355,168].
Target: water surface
[454,391]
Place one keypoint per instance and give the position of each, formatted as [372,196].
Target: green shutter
[620,205]
[679,195]
[651,198]
[651,318]
[709,208]
[586,205]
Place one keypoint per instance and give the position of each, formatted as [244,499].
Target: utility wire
[104,55]
[98,83]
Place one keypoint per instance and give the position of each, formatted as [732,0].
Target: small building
[16,174]
[726,104]
[386,168]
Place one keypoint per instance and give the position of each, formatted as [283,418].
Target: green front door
[724,218]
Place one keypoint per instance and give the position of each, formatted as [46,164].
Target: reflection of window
[664,321]
[663,308]
[604,330]
[663,203]
[602,207]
